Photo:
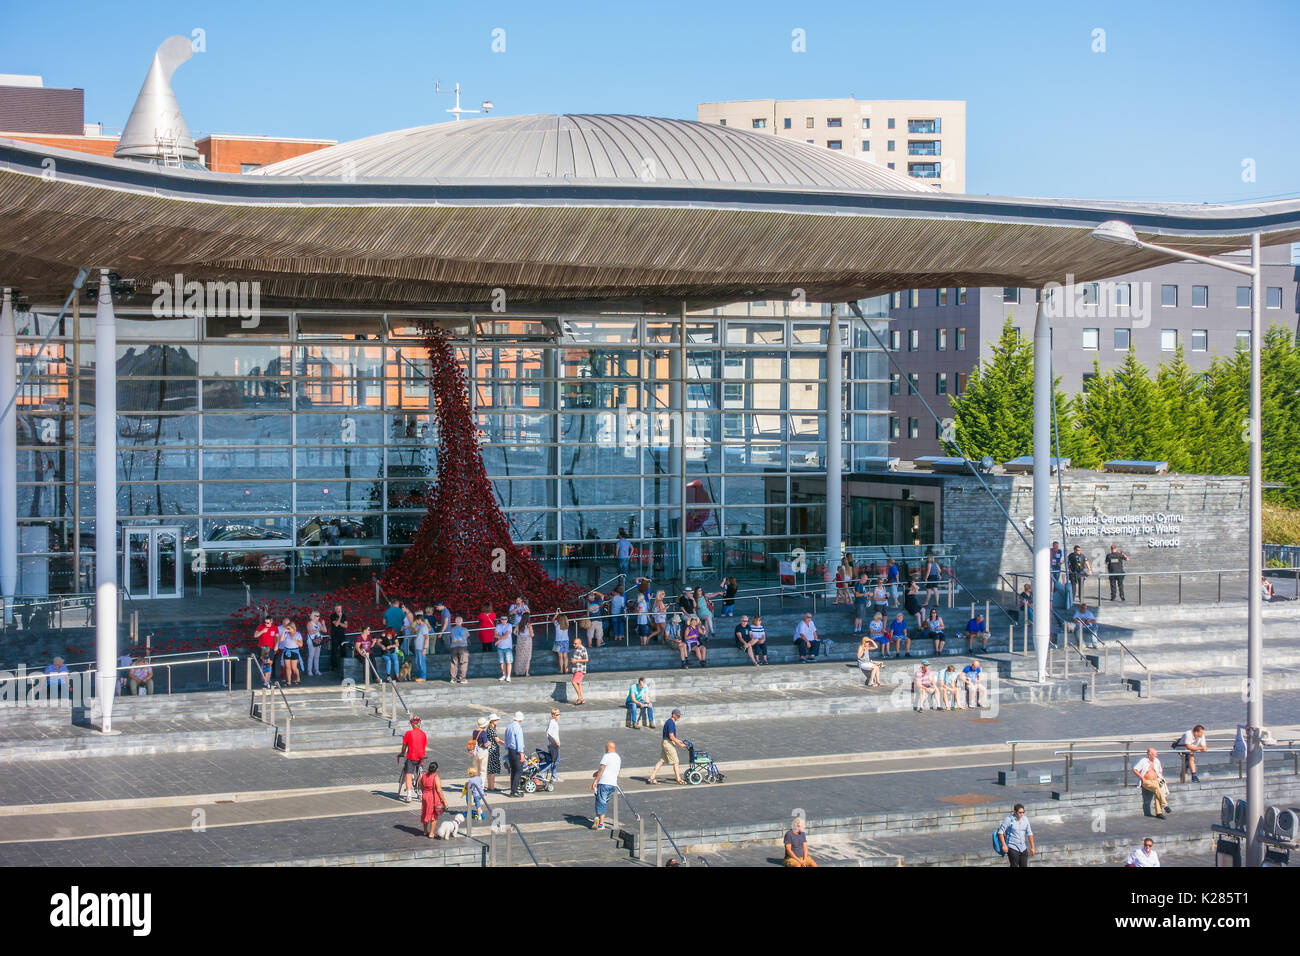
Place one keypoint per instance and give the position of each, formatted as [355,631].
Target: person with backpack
[1016,837]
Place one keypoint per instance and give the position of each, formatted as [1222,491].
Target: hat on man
[482,722]
[519,715]
[677,713]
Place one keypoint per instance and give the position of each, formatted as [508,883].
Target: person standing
[561,645]
[861,595]
[503,638]
[291,646]
[668,750]
[618,613]
[931,575]
[432,804]
[578,661]
[487,630]
[1058,562]
[796,846]
[458,647]
[315,638]
[482,746]
[394,616]
[494,765]
[880,598]
[1078,567]
[440,624]
[594,622]
[553,744]
[523,647]
[1115,570]
[1017,837]
[515,751]
[892,575]
[604,782]
[411,757]
[420,648]
[1145,856]
[338,635]
[1151,777]
[730,588]
[623,552]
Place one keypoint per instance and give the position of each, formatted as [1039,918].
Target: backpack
[997,844]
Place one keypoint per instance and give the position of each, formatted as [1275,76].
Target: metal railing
[493,831]
[659,844]
[79,681]
[1163,587]
[640,823]
[1283,748]
[288,726]
[1123,658]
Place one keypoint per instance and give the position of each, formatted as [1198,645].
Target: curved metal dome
[601,148]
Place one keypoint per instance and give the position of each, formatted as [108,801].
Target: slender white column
[8,458]
[105,499]
[834,449]
[1042,485]
[1255,624]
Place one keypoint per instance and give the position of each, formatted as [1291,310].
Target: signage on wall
[1161,529]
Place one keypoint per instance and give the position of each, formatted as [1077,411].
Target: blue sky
[1184,92]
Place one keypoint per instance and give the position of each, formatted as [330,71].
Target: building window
[1123,339]
[866,145]
[834,144]
[1168,340]
[913,298]
[941,296]
[1200,296]
[1123,294]
[1243,339]
[833,122]
[1200,340]
[891,165]
[866,122]
[1090,337]
[895,383]
[941,383]
[1011,294]
[1088,379]
[923,147]
[895,340]
[889,145]
[941,340]
[913,428]
[891,123]
[961,339]
[913,340]
[249,167]
[1273,297]
[1169,296]
[925,170]
[961,295]
[786,123]
[1243,297]
[959,383]
[923,126]
[760,124]
[893,427]
[913,383]
[808,123]
[895,300]
[722,122]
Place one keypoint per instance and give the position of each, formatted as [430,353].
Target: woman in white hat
[482,746]
[494,752]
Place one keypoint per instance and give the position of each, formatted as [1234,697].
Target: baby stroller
[533,771]
[702,768]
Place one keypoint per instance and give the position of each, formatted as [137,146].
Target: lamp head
[1116,231]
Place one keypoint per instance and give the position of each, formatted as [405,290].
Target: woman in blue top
[935,626]
[705,613]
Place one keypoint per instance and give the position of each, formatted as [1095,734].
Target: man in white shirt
[805,635]
[1087,622]
[604,782]
[1151,775]
[1193,743]
[1146,856]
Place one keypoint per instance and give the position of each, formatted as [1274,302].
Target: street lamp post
[1122,233]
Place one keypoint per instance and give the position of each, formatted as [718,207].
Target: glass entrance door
[151,562]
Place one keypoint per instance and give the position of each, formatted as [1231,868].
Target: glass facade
[304,447]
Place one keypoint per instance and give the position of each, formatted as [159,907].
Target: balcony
[923,126]
[923,147]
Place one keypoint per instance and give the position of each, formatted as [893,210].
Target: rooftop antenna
[456,110]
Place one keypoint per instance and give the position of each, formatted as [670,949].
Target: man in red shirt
[267,634]
[414,743]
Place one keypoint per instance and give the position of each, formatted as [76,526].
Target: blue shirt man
[1017,836]
[458,637]
[395,618]
[515,752]
[515,735]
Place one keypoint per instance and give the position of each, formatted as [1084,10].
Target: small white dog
[449,826]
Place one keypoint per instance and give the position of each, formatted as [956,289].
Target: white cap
[519,715]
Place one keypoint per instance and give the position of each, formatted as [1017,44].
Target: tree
[996,415]
[1186,407]
[1124,414]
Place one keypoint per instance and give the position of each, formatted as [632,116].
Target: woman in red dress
[432,804]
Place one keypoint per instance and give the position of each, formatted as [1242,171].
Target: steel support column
[106,501]
[8,458]
[1043,585]
[834,448]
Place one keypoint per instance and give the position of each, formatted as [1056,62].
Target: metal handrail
[659,843]
[398,694]
[288,726]
[639,851]
[524,843]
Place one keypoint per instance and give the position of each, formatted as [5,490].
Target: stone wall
[1164,523]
